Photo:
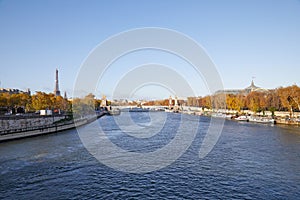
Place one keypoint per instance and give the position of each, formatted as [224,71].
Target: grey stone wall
[24,123]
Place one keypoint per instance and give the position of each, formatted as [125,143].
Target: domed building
[247,90]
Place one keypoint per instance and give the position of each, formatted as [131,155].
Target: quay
[280,117]
[54,127]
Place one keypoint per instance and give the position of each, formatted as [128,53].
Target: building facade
[245,91]
[14,91]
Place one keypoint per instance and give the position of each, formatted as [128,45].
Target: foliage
[235,102]
[256,101]
[219,101]
[38,101]
[283,98]
[290,97]
[84,106]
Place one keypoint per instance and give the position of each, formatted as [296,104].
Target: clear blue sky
[243,38]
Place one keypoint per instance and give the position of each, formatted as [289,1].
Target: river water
[249,161]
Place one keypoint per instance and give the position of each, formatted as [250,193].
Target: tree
[42,101]
[206,102]
[60,103]
[255,101]
[3,100]
[295,96]
[83,106]
[97,103]
[273,101]
[290,98]
[24,100]
[234,102]
[219,101]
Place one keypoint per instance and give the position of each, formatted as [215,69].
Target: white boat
[114,112]
[228,116]
[242,118]
[199,113]
[188,112]
[264,120]
[221,115]
[168,110]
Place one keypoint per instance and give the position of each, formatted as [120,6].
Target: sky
[244,39]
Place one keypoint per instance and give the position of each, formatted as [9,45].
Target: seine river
[249,161]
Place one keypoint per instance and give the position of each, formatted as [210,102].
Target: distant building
[65,95]
[103,101]
[245,91]
[170,102]
[56,89]
[14,91]
[176,103]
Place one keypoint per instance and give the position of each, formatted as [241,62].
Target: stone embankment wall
[13,123]
[41,131]
[267,113]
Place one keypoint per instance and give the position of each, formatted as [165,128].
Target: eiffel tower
[56,89]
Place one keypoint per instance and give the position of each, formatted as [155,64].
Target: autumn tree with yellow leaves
[280,99]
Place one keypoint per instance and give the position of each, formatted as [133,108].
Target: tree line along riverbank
[285,99]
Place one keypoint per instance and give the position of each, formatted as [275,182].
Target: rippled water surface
[250,161]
